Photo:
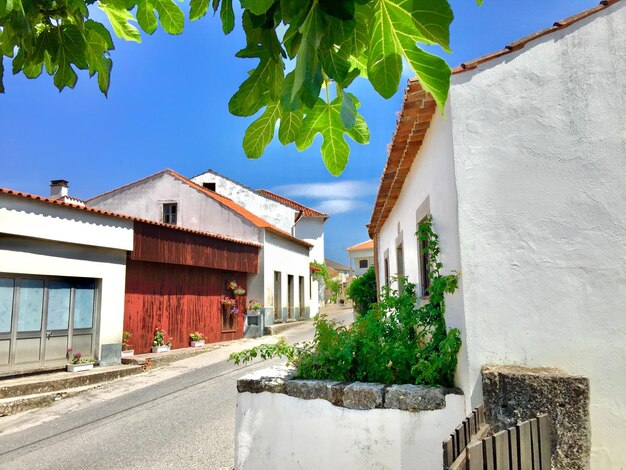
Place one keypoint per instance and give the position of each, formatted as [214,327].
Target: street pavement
[179,417]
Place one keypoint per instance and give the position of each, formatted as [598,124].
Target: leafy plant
[396,341]
[228,302]
[77,357]
[362,291]
[196,336]
[254,305]
[334,287]
[331,43]
[126,345]
[160,338]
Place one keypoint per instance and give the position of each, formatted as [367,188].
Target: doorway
[290,298]
[278,308]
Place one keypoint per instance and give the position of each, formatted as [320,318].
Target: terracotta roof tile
[11,192]
[307,211]
[368,245]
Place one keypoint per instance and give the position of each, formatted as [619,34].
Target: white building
[525,178]
[283,283]
[361,257]
[300,221]
[62,271]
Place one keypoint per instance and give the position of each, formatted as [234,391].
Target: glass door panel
[30,305]
[6,303]
[58,305]
[83,305]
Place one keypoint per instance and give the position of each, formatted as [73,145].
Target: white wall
[49,240]
[357,256]
[196,210]
[267,208]
[540,156]
[430,183]
[311,229]
[275,431]
[287,258]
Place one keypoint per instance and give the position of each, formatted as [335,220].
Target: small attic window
[209,186]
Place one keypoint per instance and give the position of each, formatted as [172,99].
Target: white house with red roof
[283,282]
[62,271]
[361,257]
[524,176]
[300,221]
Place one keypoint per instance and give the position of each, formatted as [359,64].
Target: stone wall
[287,423]
[515,393]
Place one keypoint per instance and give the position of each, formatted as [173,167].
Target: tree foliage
[362,291]
[396,341]
[306,53]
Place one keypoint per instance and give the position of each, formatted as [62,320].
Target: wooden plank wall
[180,299]
[169,245]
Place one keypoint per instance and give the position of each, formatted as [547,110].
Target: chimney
[58,189]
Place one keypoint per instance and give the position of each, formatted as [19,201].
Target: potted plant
[127,348]
[227,302]
[160,344]
[236,288]
[196,339]
[253,307]
[78,363]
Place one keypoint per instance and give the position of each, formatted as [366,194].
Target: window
[423,267]
[363,264]
[209,186]
[170,212]
[386,271]
[400,270]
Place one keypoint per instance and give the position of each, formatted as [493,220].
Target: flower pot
[160,349]
[128,352]
[80,367]
[197,344]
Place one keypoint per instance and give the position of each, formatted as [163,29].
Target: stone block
[415,397]
[311,389]
[513,394]
[363,396]
[266,380]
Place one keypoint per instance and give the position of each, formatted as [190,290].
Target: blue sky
[167,108]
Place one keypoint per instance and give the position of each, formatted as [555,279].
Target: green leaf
[336,65]
[227,15]
[342,9]
[119,18]
[33,70]
[198,9]
[360,132]
[102,31]
[98,61]
[290,123]
[325,119]
[65,75]
[257,7]
[146,17]
[396,27]
[307,66]
[433,73]
[73,43]
[170,15]
[49,64]
[261,132]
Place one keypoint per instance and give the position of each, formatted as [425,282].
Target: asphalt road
[179,417]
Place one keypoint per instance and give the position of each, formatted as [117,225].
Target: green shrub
[396,341]
[362,291]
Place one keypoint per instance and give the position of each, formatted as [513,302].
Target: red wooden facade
[174,280]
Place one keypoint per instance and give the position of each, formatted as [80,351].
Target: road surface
[178,417]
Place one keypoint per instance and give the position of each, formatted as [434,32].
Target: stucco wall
[357,256]
[195,209]
[430,188]
[540,156]
[287,258]
[274,212]
[275,431]
[48,240]
[311,229]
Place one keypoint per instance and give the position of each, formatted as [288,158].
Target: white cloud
[334,191]
[338,206]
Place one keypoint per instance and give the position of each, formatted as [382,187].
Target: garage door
[40,318]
